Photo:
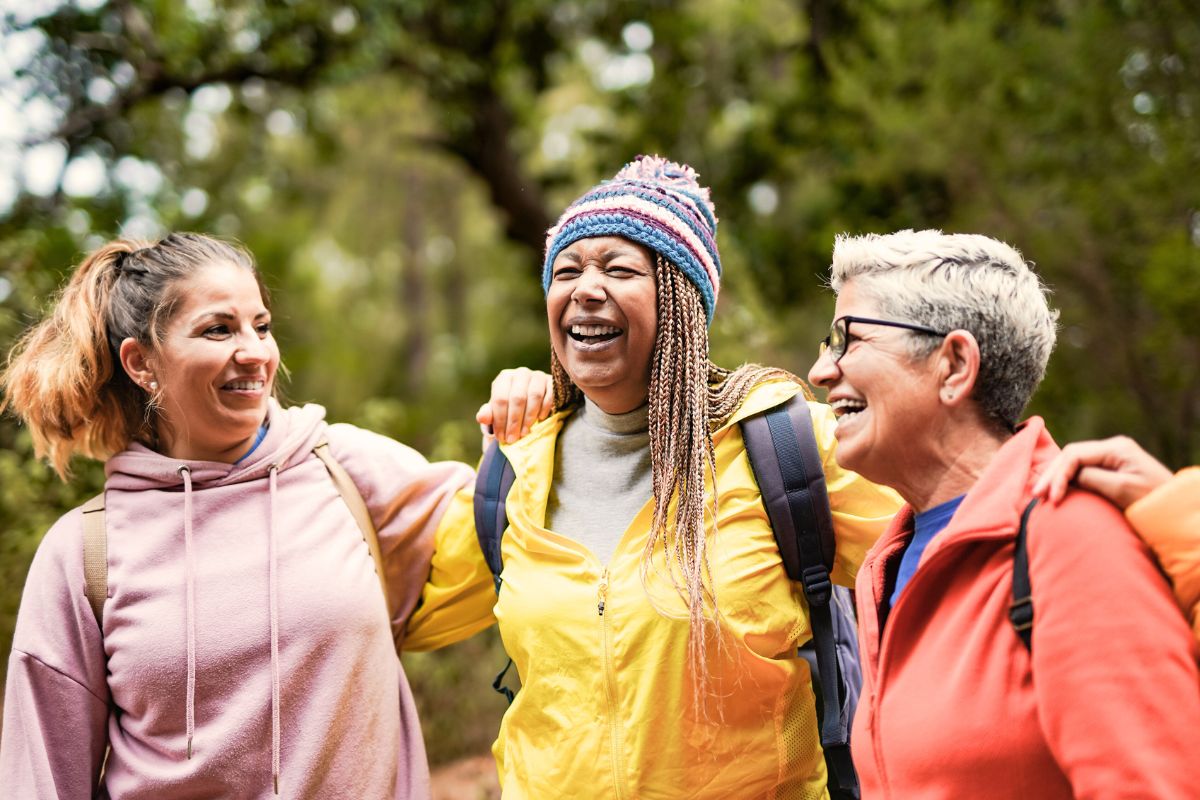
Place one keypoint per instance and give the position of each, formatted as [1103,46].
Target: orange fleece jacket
[1106,705]
[1168,519]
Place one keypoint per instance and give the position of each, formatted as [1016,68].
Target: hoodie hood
[291,434]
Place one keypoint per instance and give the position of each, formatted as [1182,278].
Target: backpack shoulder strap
[492,485]
[95,557]
[787,466]
[790,475]
[1020,612]
[358,507]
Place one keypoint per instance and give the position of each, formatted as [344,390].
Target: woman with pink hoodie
[244,648]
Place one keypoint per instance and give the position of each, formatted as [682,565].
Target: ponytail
[60,375]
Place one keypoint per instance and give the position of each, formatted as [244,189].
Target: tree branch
[486,148]
[484,144]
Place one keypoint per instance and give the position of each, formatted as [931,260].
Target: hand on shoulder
[520,397]
[1117,469]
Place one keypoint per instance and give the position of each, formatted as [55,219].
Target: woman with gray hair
[937,344]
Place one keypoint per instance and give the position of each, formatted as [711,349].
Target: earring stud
[154,386]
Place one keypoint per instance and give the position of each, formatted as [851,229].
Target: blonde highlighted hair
[63,378]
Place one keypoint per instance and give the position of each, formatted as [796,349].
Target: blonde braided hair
[689,397]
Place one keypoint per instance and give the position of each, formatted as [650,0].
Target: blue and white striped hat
[656,203]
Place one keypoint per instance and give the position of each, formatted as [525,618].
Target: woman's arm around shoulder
[1168,518]
[1114,665]
[439,586]
[459,594]
[861,509]
[56,700]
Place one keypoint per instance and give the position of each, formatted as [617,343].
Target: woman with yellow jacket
[643,598]
[1163,508]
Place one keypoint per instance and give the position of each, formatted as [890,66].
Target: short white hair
[958,281]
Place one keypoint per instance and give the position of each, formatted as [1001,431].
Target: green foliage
[394,164]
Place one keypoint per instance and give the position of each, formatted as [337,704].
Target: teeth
[594,330]
[245,385]
[846,406]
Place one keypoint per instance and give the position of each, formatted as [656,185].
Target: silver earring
[154,386]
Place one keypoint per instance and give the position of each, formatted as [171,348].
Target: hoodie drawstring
[189,558]
[272,556]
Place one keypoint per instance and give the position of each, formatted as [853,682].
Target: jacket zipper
[610,684]
[873,720]
[602,593]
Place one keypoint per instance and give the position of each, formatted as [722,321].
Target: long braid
[689,397]
[566,393]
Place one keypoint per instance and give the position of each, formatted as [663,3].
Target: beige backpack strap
[95,556]
[358,508]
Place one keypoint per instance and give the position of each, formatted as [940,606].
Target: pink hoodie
[244,624]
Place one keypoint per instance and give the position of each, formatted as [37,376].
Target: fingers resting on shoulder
[1116,468]
[520,397]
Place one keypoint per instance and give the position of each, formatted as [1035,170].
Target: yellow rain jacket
[607,708]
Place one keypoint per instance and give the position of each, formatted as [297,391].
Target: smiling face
[215,366]
[602,307]
[885,400]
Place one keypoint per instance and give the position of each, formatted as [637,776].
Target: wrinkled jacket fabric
[606,706]
[953,705]
[1168,519]
[346,724]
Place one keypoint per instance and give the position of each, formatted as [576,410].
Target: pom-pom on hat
[656,203]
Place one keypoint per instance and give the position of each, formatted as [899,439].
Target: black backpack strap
[787,466]
[498,683]
[1020,613]
[492,484]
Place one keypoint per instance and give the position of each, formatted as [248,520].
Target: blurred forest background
[394,164]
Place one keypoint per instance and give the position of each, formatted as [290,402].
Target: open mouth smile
[245,386]
[847,409]
[590,337]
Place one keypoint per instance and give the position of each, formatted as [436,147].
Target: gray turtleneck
[601,477]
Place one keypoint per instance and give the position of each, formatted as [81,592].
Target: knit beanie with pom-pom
[656,203]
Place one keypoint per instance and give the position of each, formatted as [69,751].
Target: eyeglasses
[839,333]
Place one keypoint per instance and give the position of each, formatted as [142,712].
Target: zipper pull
[602,592]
